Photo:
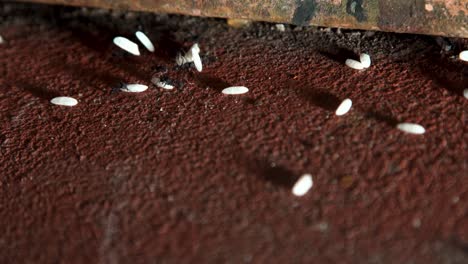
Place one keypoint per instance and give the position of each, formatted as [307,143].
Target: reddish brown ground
[191,175]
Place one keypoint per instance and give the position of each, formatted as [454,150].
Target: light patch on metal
[453,7]
[333,2]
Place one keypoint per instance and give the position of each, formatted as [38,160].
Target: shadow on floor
[205,80]
[320,98]
[276,174]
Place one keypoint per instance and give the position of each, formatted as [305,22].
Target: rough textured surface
[191,175]
[434,17]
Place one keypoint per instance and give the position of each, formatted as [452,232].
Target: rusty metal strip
[434,17]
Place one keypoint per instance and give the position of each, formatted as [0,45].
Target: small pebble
[64,101]
[354,64]
[411,128]
[353,7]
[303,185]
[235,90]
[344,107]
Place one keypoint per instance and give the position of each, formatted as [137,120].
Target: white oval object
[411,128]
[145,41]
[235,90]
[134,88]
[465,93]
[1,40]
[156,81]
[127,45]
[165,85]
[197,61]
[195,48]
[354,64]
[463,55]
[64,101]
[303,185]
[194,55]
[280,27]
[344,107]
[365,60]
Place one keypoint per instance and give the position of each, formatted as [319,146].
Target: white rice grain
[463,55]
[344,107]
[127,45]
[193,55]
[365,60]
[197,61]
[157,81]
[354,64]
[280,27]
[235,90]
[411,128]
[134,88]
[195,50]
[64,101]
[465,93]
[303,185]
[145,41]
[1,40]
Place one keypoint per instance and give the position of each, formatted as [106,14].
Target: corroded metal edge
[433,17]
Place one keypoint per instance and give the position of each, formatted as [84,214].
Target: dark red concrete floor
[193,176]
